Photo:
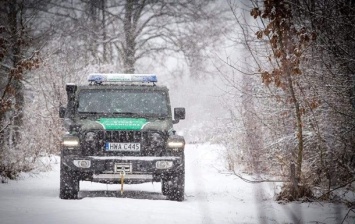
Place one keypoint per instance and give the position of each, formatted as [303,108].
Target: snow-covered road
[212,196]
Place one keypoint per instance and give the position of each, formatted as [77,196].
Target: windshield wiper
[88,112]
[157,116]
[125,113]
[160,117]
[131,114]
[84,114]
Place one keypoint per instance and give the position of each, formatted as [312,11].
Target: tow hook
[123,173]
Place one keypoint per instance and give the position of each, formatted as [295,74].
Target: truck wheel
[176,187]
[69,183]
[165,186]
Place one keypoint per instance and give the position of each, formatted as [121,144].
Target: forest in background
[285,69]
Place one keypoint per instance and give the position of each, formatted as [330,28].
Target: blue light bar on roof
[114,77]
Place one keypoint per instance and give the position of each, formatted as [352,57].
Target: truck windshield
[127,102]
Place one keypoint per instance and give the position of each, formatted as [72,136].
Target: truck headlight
[176,142]
[71,141]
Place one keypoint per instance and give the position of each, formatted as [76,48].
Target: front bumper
[109,169]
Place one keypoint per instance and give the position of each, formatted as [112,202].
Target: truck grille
[148,146]
[120,136]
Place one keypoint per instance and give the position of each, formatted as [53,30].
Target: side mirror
[179,114]
[71,87]
[62,112]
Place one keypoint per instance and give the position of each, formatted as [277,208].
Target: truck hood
[133,124]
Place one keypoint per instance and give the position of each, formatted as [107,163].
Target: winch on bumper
[108,169]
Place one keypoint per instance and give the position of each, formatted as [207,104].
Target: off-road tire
[69,183]
[175,187]
[165,186]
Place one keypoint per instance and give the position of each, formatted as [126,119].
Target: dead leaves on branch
[255,12]
[24,65]
[5,105]
[16,74]
[287,42]
[275,77]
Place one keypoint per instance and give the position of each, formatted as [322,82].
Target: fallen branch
[258,181]
[341,186]
[350,210]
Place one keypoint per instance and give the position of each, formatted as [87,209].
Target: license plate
[123,147]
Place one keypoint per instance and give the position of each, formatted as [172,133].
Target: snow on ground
[212,196]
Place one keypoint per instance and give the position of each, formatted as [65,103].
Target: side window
[91,102]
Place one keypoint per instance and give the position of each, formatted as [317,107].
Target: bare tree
[130,30]
[17,56]
[306,111]
[332,64]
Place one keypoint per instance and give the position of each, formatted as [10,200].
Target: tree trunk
[298,127]
[129,44]
[16,29]
[104,35]
[253,132]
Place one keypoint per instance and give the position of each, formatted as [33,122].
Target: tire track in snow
[196,183]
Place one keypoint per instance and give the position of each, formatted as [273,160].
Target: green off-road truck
[120,131]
